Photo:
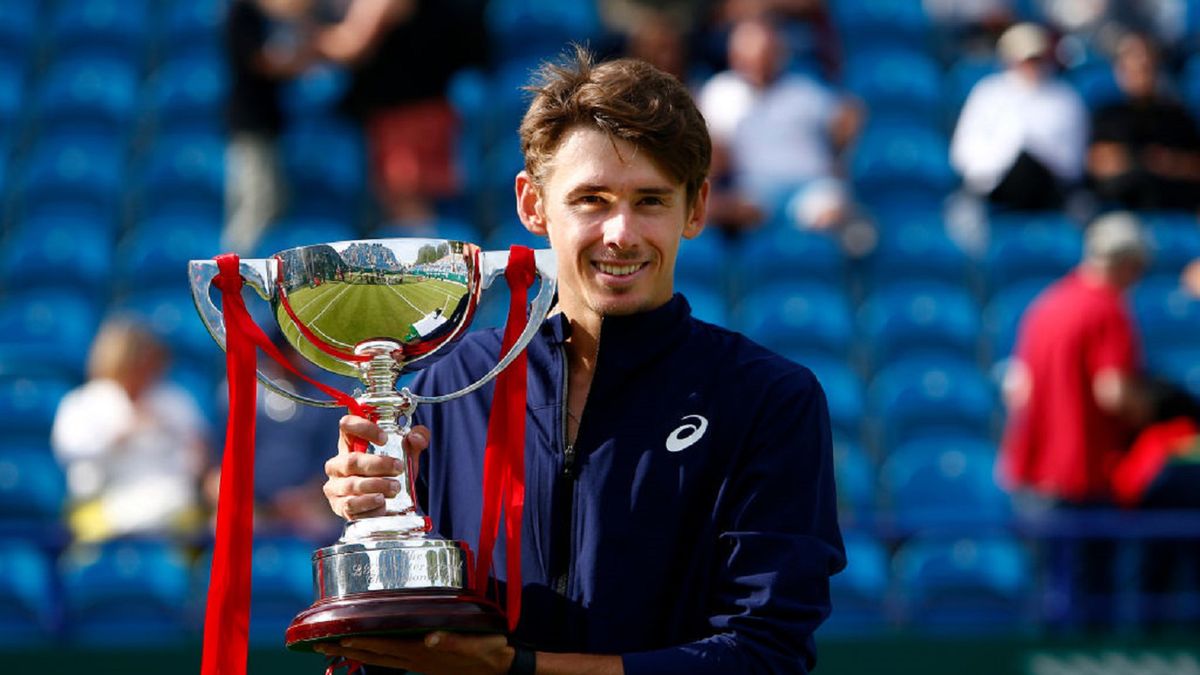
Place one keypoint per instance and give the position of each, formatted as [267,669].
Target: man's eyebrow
[657,190]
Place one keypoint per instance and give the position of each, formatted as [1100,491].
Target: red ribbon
[504,461]
[227,614]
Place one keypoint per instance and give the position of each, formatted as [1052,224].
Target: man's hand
[359,482]
[439,652]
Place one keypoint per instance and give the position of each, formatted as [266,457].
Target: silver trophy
[376,310]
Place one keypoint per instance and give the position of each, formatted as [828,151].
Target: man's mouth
[618,270]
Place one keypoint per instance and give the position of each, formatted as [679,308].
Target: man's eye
[652,201]
[589,199]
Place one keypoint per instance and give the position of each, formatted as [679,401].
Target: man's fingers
[352,426]
[361,506]
[362,464]
[417,440]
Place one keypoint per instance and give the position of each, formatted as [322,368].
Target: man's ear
[529,205]
[698,215]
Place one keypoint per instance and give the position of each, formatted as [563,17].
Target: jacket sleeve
[779,544]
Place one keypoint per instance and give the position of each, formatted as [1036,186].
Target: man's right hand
[358,482]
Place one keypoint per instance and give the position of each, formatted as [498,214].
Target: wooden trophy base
[403,613]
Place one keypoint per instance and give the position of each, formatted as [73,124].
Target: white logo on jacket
[687,434]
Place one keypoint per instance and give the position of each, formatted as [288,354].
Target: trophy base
[393,614]
[387,584]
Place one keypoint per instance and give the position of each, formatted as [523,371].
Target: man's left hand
[439,652]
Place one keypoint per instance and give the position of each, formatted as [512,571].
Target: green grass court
[344,314]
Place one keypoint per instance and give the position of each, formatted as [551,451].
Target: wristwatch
[524,661]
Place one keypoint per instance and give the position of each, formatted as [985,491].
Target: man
[1074,394]
[1145,148]
[1020,138]
[776,135]
[690,525]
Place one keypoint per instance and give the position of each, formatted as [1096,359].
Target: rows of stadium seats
[111,178]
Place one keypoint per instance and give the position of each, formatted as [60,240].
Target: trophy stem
[394,410]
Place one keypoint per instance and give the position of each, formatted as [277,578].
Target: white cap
[1023,41]
[1116,236]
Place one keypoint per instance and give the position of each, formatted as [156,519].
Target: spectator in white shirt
[1021,137]
[776,135]
[132,444]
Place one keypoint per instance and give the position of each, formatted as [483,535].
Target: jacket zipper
[567,484]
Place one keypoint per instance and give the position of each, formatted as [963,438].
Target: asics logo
[687,434]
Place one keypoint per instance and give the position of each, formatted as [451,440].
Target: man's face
[614,219]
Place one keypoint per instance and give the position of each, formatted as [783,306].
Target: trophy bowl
[375,310]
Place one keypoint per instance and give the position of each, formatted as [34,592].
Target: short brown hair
[627,99]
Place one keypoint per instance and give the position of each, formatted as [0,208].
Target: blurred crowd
[826,118]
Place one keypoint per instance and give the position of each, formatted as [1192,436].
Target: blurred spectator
[132,444]
[401,55]
[657,38]
[1071,391]
[267,42]
[1074,398]
[805,28]
[775,135]
[1021,135]
[1145,149]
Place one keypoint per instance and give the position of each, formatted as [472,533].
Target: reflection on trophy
[376,310]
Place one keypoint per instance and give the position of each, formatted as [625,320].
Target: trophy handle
[258,274]
[493,264]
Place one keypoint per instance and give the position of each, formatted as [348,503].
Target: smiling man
[680,514]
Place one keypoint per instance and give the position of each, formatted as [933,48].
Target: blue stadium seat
[1180,365]
[325,165]
[282,586]
[155,254]
[73,175]
[707,303]
[188,94]
[522,28]
[183,173]
[513,232]
[59,252]
[1176,241]
[171,314]
[785,254]
[871,22]
[918,253]
[20,30]
[12,99]
[897,83]
[109,28]
[1167,315]
[95,95]
[845,391]
[29,606]
[45,332]
[1002,315]
[1032,253]
[859,592]
[193,26]
[292,232]
[799,317]
[902,162]
[931,397]
[940,483]
[705,261]
[126,593]
[854,473]
[910,318]
[33,489]
[966,585]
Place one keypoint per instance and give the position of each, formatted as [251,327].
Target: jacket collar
[630,341]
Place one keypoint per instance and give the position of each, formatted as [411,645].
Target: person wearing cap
[1021,136]
[1073,390]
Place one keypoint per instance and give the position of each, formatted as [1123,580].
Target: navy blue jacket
[692,528]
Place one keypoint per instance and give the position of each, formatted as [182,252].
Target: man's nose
[619,229]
